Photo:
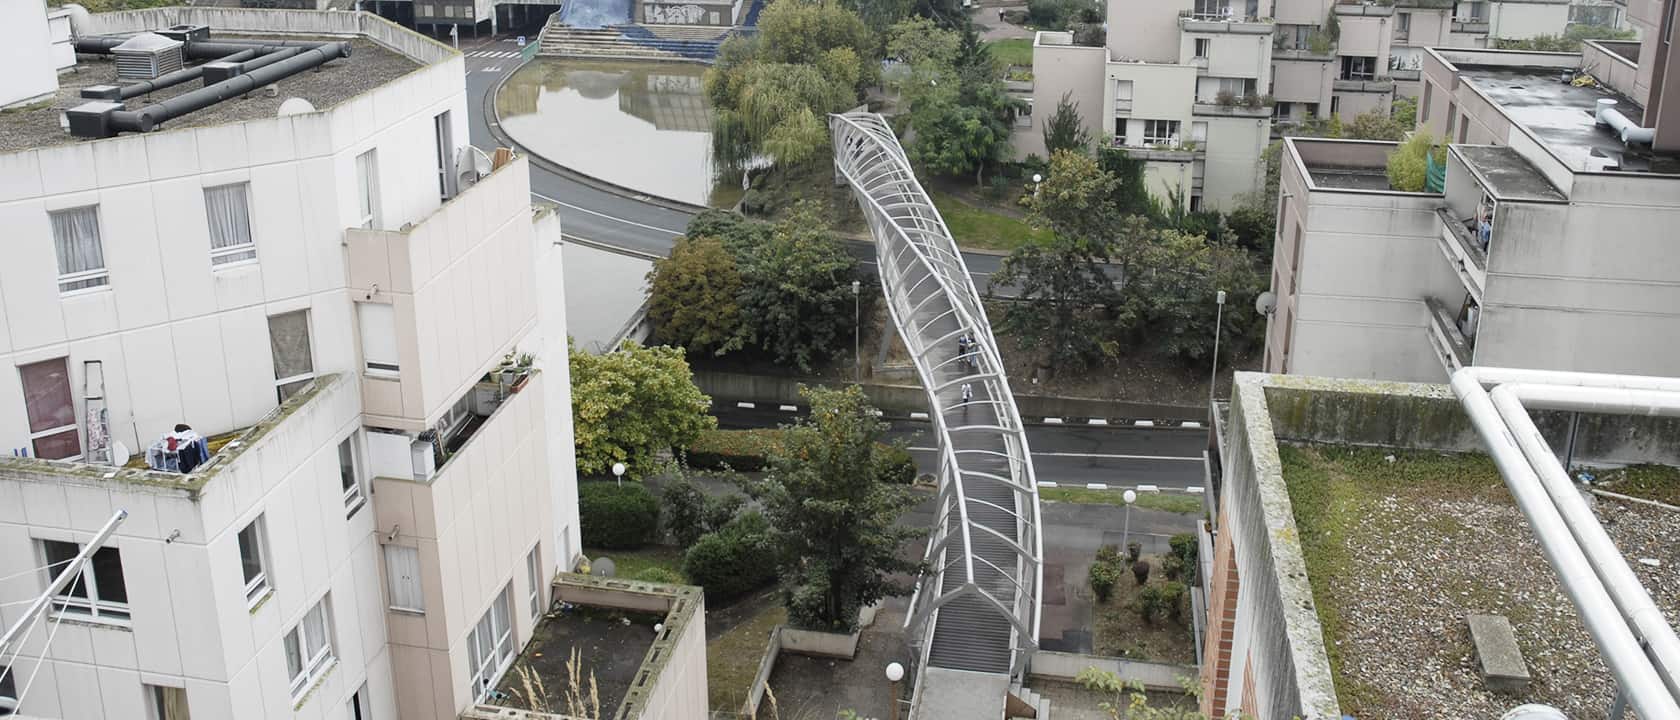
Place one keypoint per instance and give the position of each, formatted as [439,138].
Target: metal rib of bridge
[977,606]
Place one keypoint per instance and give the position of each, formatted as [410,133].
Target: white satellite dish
[1265,303]
[119,453]
[295,106]
[470,165]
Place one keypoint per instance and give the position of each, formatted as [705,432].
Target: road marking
[1047,484]
[1096,456]
[491,69]
[745,405]
[1096,486]
[598,213]
[1194,490]
[1190,424]
[1096,421]
[918,416]
[1145,423]
[788,408]
[1149,488]
[1052,421]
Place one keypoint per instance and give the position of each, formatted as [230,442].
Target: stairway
[655,42]
[1037,702]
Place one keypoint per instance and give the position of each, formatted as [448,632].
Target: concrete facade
[401,305]
[1570,272]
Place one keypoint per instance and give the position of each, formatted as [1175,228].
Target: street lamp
[857,320]
[1037,178]
[618,472]
[1126,529]
[1218,318]
[895,673]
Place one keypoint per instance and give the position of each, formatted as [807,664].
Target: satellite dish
[602,567]
[1265,302]
[119,453]
[295,106]
[470,165]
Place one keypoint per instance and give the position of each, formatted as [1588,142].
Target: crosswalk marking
[493,54]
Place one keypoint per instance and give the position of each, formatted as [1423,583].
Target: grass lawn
[977,228]
[1121,632]
[1017,51]
[732,658]
[629,563]
[1173,503]
[1651,482]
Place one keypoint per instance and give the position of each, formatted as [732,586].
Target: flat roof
[1561,115]
[1349,178]
[1507,174]
[369,66]
[1402,545]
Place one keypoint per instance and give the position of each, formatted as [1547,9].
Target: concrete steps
[633,41]
[1031,699]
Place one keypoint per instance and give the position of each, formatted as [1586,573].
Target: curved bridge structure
[976,609]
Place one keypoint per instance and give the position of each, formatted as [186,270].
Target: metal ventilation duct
[146,56]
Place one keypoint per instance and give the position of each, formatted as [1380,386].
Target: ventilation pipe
[147,119]
[1629,130]
[1640,650]
[124,92]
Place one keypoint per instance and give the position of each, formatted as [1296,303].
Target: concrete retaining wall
[1154,676]
[820,644]
[766,665]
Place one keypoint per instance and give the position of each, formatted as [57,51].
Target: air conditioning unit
[146,56]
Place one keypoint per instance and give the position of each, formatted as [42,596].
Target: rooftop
[1507,174]
[1561,115]
[1401,546]
[369,66]
[1335,164]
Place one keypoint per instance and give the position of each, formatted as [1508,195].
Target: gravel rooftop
[1400,552]
[369,66]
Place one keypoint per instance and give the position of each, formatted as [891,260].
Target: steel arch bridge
[977,606]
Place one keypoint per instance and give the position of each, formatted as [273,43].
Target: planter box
[820,644]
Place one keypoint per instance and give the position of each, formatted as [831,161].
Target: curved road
[611,217]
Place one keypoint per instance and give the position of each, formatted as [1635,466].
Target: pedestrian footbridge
[975,614]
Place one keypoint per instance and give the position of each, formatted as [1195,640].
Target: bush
[659,575]
[733,561]
[1408,165]
[617,517]
[1225,98]
[1156,600]
[1173,595]
[894,465]
[721,510]
[1056,14]
[739,450]
[1134,550]
[1109,554]
[684,508]
[1140,570]
[1104,576]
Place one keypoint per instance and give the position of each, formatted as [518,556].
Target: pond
[641,125]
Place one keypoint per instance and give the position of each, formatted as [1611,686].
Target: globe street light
[1126,529]
[1037,178]
[618,472]
[895,673]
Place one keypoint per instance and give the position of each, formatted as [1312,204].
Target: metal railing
[977,606]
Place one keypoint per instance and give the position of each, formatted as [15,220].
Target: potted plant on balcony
[521,370]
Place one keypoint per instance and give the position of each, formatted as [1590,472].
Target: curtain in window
[227,209]
[288,341]
[76,243]
[402,572]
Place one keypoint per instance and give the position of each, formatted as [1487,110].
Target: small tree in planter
[1104,576]
[1134,550]
[1140,571]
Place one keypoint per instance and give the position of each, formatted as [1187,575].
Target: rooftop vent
[146,56]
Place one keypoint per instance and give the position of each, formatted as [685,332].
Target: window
[455,418]
[1402,24]
[1335,104]
[100,594]
[81,257]
[1196,203]
[1120,131]
[1160,132]
[52,412]
[445,148]
[1282,110]
[166,703]
[348,475]
[367,185]
[253,560]
[1359,68]
[1312,110]
[379,337]
[1423,106]
[1202,46]
[1198,132]
[288,342]
[227,207]
[360,708]
[308,649]
[402,578]
[490,644]
[533,574]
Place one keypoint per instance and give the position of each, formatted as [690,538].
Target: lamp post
[1126,529]
[895,673]
[1218,317]
[618,472]
[857,320]
[1037,178]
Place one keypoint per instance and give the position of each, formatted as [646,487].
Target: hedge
[617,517]
[750,450]
[734,560]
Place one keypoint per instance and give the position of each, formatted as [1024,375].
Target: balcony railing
[1466,254]
[1214,22]
[1122,105]
[1455,349]
[1470,25]
[1378,85]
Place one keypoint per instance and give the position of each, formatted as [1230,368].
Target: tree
[1076,199]
[1376,125]
[1408,165]
[693,297]
[1131,191]
[918,40]
[1063,289]
[960,111]
[1404,111]
[629,404]
[955,139]
[1168,300]
[796,290]
[834,525]
[1065,130]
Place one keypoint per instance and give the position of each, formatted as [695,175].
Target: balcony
[1238,109]
[1455,349]
[1376,85]
[1364,10]
[1164,152]
[1474,26]
[1223,20]
[1467,256]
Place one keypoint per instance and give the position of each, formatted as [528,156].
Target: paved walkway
[991,28]
[819,688]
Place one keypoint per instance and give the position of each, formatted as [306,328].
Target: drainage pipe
[1513,401]
[1618,646]
[147,119]
[172,79]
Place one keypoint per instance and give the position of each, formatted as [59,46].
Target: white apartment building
[1548,246]
[1180,84]
[303,274]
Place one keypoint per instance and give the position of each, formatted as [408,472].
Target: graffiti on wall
[674,14]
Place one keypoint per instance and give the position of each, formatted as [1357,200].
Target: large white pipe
[1629,130]
[1513,401]
[1616,643]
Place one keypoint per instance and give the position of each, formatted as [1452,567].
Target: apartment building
[318,276]
[1179,84]
[1544,243]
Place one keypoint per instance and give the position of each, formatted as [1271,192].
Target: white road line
[1096,456]
[1096,486]
[746,405]
[788,408]
[498,68]
[1047,484]
[597,213]
[1096,421]
[1194,490]
[1145,423]
[1190,424]
[918,416]
[1052,421]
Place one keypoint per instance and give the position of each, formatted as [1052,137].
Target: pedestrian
[962,347]
[967,395]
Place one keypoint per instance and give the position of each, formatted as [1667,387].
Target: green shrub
[721,509]
[1408,165]
[684,508]
[1109,554]
[617,517]
[1172,599]
[1104,575]
[1134,550]
[1140,571]
[659,575]
[1181,563]
[733,561]
[894,465]
[738,450]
